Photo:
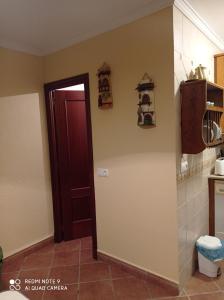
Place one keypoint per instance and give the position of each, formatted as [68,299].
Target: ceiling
[44,26]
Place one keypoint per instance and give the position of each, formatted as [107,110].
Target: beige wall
[191,48]
[136,204]
[25,191]
[20,73]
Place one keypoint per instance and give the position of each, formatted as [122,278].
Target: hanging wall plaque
[146,105]
[104,87]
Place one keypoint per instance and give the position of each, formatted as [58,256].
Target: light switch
[102,172]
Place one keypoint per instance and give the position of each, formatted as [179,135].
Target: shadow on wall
[25,189]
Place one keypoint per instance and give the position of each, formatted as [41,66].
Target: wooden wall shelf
[198,118]
[215,108]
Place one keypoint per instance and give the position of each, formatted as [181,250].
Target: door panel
[74,162]
[81,208]
[77,143]
[82,228]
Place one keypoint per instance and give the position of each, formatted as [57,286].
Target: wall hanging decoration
[146,105]
[104,87]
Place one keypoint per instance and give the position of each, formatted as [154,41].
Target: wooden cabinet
[201,115]
[219,69]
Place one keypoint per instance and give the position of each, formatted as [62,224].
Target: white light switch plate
[102,172]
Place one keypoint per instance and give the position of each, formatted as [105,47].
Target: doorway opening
[71,158]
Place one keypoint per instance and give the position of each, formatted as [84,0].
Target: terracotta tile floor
[80,277]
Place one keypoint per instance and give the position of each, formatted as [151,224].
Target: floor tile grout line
[50,253]
[216,284]
[28,270]
[186,294]
[123,277]
[41,268]
[20,268]
[111,279]
[149,292]
[79,264]
[49,272]
[63,266]
[204,293]
[67,250]
[40,254]
[35,269]
[168,297]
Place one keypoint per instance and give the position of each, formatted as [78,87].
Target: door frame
[55,180]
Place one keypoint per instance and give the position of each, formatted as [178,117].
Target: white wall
[26,212]
[25,188]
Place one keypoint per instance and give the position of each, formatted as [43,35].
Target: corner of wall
[191,48]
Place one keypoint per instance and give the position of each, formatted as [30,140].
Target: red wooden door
[74,162]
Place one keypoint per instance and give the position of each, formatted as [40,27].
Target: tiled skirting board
[29,250]
[195,169]
[171,287]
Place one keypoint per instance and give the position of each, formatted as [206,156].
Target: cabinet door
[193,97]
[219,69]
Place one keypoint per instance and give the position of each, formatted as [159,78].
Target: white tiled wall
[191,48]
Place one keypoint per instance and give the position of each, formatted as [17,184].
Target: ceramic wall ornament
[104,87]
[146,105]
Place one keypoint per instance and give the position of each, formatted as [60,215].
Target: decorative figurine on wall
[104,87]
[146,107]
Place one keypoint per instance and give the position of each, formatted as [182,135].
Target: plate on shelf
[208,134]
[217,131]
